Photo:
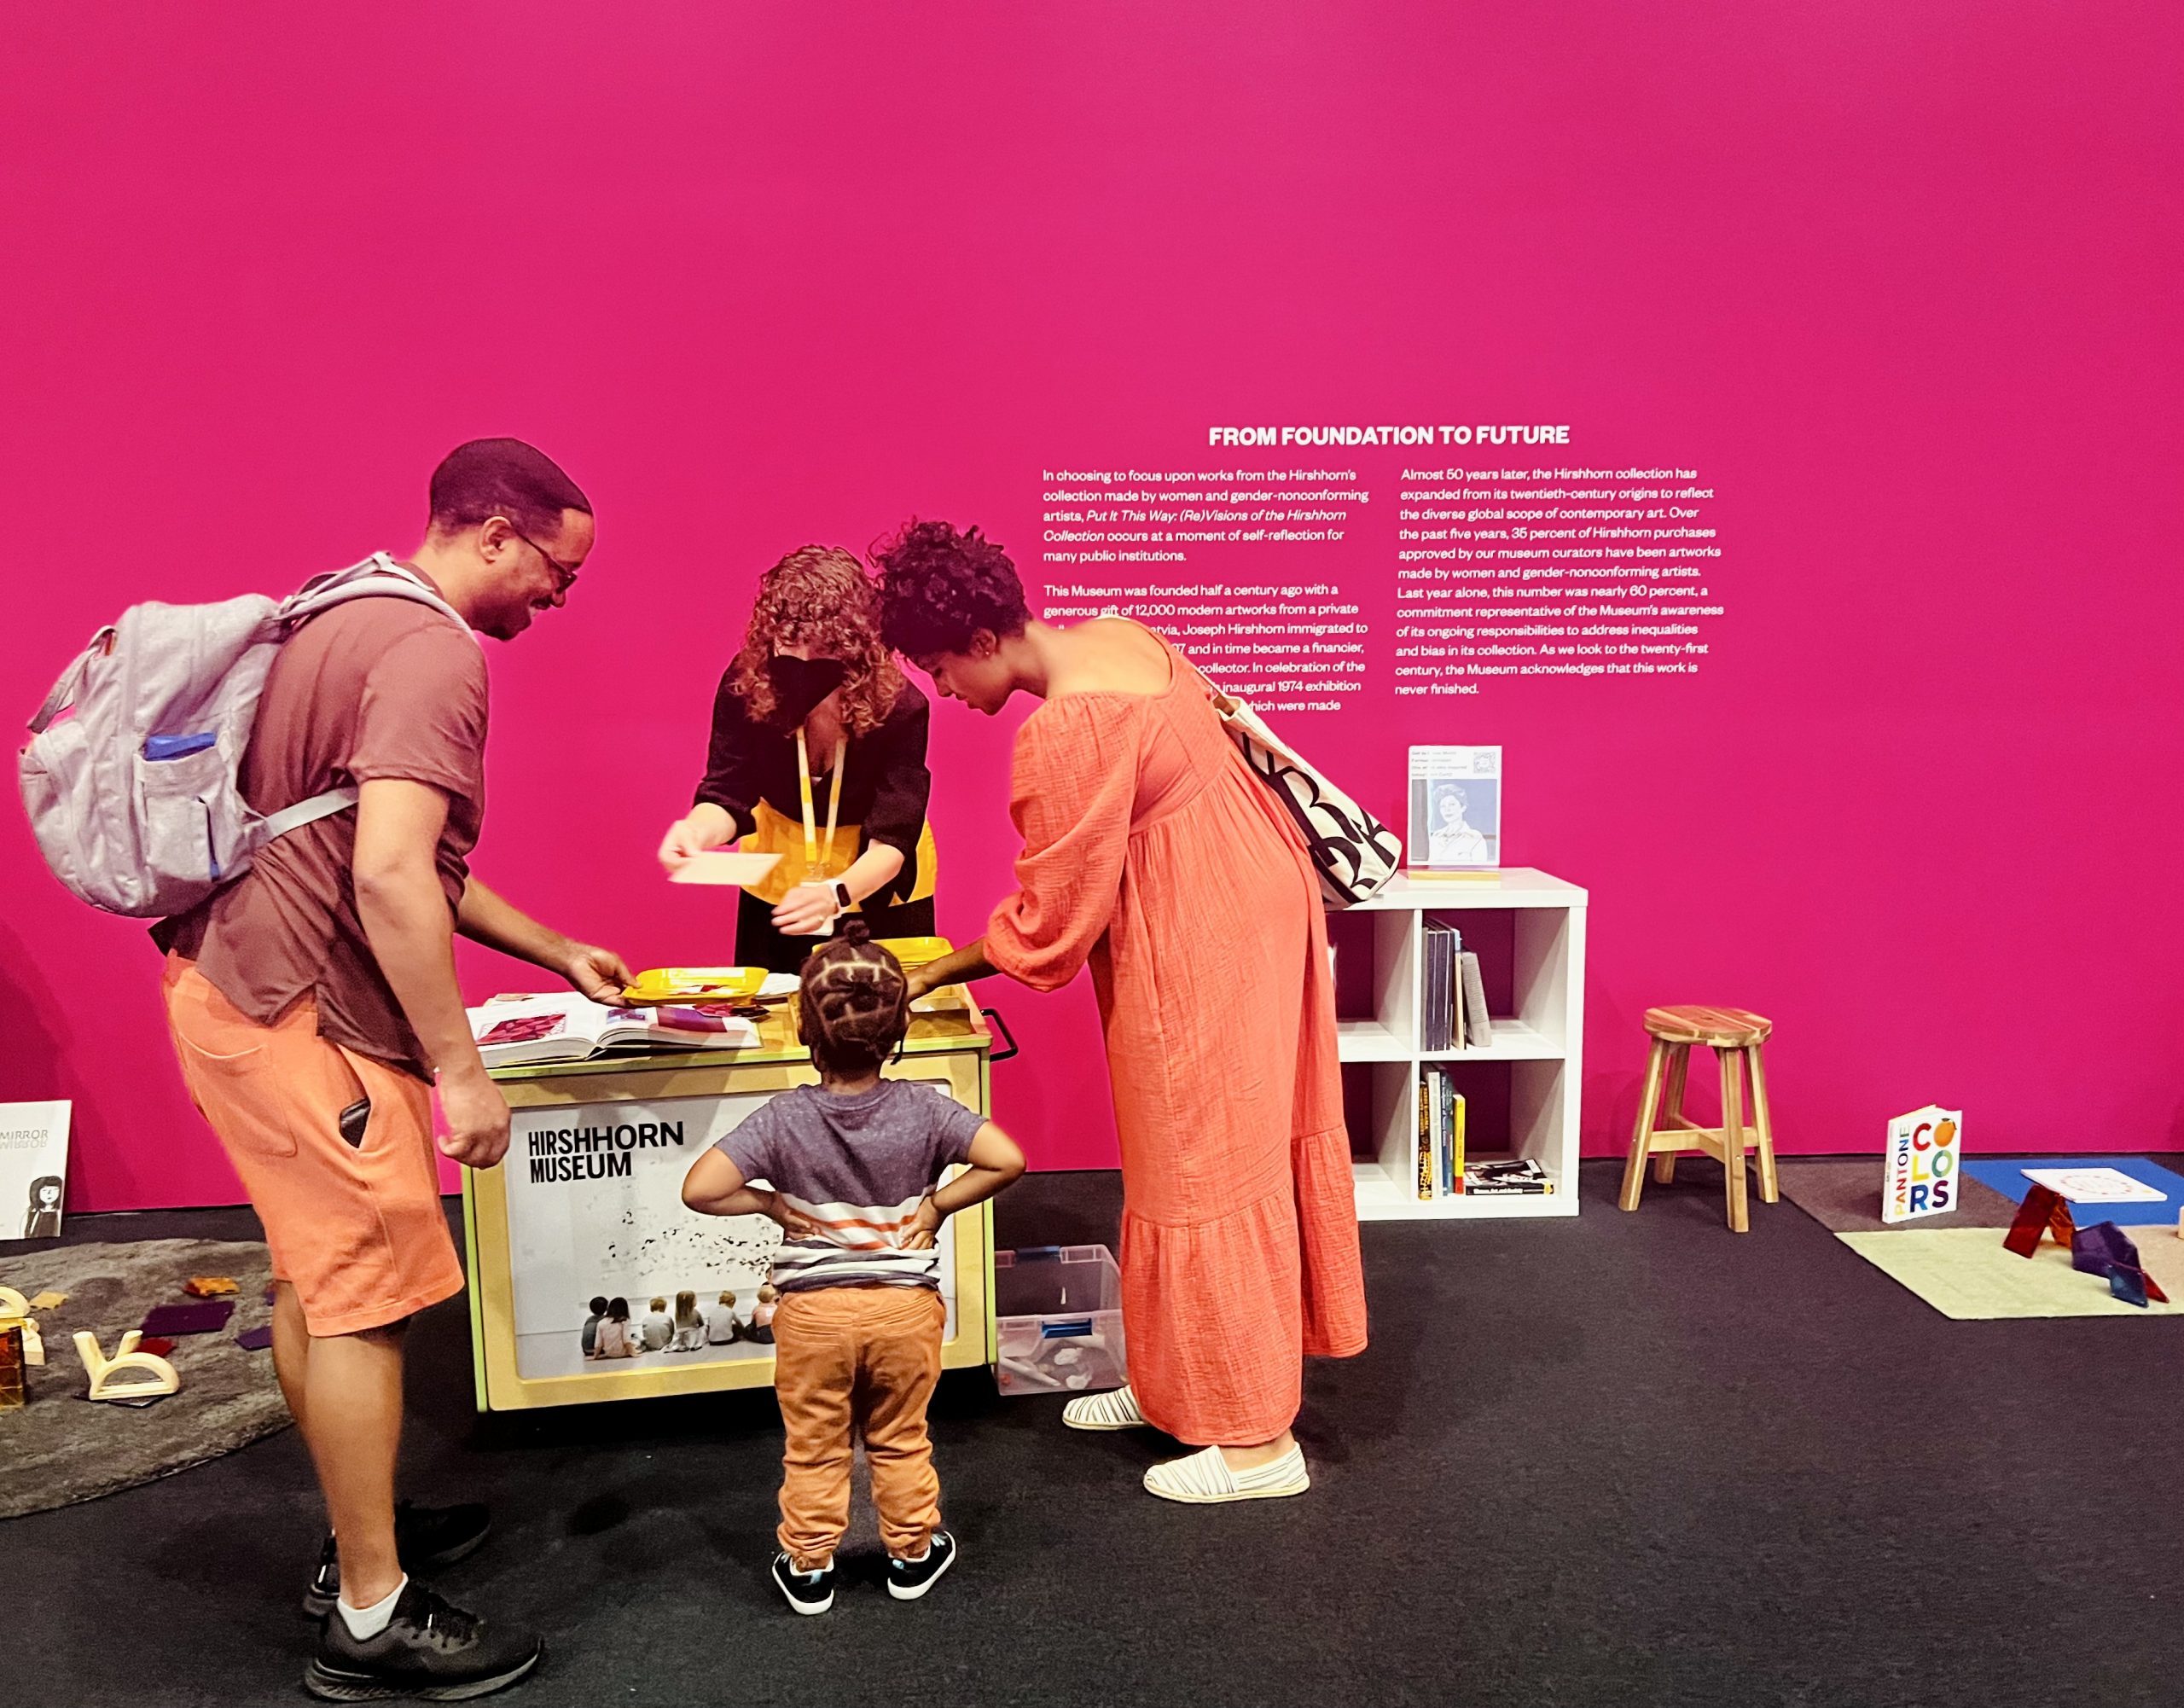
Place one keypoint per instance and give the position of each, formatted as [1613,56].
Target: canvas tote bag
[1353,852]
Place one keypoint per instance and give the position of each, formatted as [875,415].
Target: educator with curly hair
[817,755]
[1152,854]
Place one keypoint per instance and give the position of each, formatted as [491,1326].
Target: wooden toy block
[103,1371]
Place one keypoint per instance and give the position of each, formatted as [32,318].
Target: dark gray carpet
[1844,1197]
[62,1448]
[1620,1460]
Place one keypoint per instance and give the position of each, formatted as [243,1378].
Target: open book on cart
[516,1031]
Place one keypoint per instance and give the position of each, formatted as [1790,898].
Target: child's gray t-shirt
[858,1166]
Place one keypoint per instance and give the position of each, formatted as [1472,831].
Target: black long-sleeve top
[884,788]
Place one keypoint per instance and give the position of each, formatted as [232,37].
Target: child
[591,1325]
[722,1328]
[689,1325]
[659,1327]
[761,1314]
[854,1163]
[616,1339]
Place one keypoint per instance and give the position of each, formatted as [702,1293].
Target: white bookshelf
[1539,1044]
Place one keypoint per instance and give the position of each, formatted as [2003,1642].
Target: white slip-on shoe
[1203,1479]
[1114,1409]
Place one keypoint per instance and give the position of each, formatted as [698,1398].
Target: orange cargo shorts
[357,1229]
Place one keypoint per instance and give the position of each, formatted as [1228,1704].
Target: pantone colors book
[1924,1152]
[515,1030]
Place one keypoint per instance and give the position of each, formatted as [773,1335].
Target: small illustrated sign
[1925,1149]
[33,1169]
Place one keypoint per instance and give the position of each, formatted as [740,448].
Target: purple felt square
[255,1339]
[189,1319]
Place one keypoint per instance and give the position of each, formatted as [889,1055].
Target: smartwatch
[842,899]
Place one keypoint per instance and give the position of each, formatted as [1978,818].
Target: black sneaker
[428,1539]
[808,1592]
[428,1649]
[908,1579]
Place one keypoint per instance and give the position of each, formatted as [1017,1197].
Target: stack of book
[1524,1178]
[1455,1016]
[1440,1152]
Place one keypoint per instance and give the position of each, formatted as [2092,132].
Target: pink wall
[1900,275]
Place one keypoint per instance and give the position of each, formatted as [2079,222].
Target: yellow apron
[807,857]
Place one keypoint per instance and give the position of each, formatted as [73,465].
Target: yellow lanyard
[814,869]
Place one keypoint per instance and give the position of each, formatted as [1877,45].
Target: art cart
[588,1204]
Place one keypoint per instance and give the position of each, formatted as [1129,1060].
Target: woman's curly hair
[820,596]
[939,587]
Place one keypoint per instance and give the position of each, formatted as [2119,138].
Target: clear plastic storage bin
[1061,1311]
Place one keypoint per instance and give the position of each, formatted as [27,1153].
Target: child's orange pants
[857,1363]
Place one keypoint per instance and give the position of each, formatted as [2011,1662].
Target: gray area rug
[1844,1198]
[62,1448]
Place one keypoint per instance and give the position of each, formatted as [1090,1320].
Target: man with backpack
[313,1005]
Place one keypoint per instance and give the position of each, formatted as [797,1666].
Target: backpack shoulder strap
[309,811]
[72,680]
[377,577]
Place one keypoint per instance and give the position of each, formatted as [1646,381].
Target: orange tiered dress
[1153,854]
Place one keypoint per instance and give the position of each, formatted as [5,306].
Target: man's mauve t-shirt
[377,688]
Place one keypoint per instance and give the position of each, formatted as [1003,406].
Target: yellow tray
[695,985]
[915,952]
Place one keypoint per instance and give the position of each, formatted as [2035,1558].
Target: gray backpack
[130,776]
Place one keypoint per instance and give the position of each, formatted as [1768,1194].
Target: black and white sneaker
[428,1539]
[808,1592]
[908,1579]
[429,1650]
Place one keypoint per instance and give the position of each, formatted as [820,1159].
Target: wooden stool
[1734,1035]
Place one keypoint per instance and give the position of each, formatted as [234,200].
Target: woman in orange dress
[1153,855]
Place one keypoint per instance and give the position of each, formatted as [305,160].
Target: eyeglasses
[564,574]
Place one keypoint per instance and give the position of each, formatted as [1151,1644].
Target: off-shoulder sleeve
[731,782]
[1072,787]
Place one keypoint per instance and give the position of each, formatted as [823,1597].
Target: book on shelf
[1422,1142]
[515,1030]
[1440,1141]
[1478,1024]
[1455,1016]
[1437,1028]
[1524,1177]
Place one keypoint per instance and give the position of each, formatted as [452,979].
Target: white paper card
[723,866]
[33,1169]
[2095,1185]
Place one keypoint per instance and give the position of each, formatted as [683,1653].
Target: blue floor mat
[2007,1178]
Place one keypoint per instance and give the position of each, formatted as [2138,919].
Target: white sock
[369,1622]
[919,1557]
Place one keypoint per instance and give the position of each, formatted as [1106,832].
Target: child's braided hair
[854,1004]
